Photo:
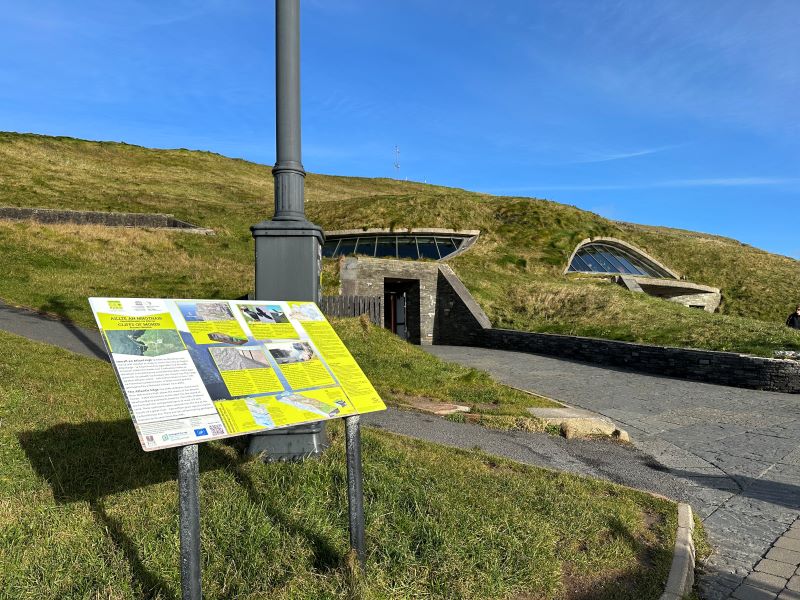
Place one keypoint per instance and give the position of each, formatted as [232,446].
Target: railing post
[355,493]
[189,503]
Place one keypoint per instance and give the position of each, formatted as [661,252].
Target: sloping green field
[514,270]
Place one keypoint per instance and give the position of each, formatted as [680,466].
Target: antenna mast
[397,162]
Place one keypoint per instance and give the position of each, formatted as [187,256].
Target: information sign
[197,370]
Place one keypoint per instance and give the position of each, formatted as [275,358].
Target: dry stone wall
[89,217]
[722,368]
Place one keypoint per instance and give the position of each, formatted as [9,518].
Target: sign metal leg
[188,494]
[355,493]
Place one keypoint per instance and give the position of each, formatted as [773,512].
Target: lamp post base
[290,444]
[288,255]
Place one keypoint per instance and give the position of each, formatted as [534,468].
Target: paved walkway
[737,450]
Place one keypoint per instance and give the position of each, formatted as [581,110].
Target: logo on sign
[171,437]
[200,432]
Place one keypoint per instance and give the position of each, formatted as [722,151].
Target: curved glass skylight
[432,247]
[600,257]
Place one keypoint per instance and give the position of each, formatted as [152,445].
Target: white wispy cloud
[729,181]
[668,183]
[608,156]
[732,62]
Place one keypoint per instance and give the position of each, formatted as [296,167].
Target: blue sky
[676,113]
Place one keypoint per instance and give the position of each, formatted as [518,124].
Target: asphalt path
[735,451]
[35,326]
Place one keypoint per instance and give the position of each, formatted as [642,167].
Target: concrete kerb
[681,574]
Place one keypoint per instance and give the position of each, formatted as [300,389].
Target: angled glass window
[407,247]
[594,266]
[387,247]
[427,248]
[329,249]
[346,247]
[618,265]
[631,268]
[599,257]
[578,264]
[446,246]
[366,246]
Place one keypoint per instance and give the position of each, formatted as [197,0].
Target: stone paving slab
[775,575]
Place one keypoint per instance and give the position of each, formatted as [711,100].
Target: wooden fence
[353,306]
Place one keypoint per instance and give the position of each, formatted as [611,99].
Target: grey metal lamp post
[288,247]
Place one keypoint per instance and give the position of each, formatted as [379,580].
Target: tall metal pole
[288,171]
[288,247]
[288,255]
[189,504]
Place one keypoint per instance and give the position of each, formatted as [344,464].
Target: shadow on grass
[150,585]
[639,583]
[326,557]
[647,580]
[89,461]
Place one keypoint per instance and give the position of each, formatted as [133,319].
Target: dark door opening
[401,308]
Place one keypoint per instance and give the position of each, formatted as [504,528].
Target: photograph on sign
[198,370]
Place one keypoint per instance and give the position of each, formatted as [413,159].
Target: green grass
[84,513]
[514,270]
[402,371]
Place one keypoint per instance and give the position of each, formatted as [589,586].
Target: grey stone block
[766,581]
[773,567]
[786,556]
[747,592]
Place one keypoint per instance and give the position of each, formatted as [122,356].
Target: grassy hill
[514,271]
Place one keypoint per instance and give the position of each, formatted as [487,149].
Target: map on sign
[198,370]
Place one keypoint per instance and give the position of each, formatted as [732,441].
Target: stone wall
[366,277]
[691,295]
[722,368]
[460,321]
[447,312]
[108,219]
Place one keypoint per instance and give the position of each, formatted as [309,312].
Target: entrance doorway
[401,308]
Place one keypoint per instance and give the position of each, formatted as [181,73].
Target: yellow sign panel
[358,388]
[216,332]
[274,331]
[197,370]
[114,322]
